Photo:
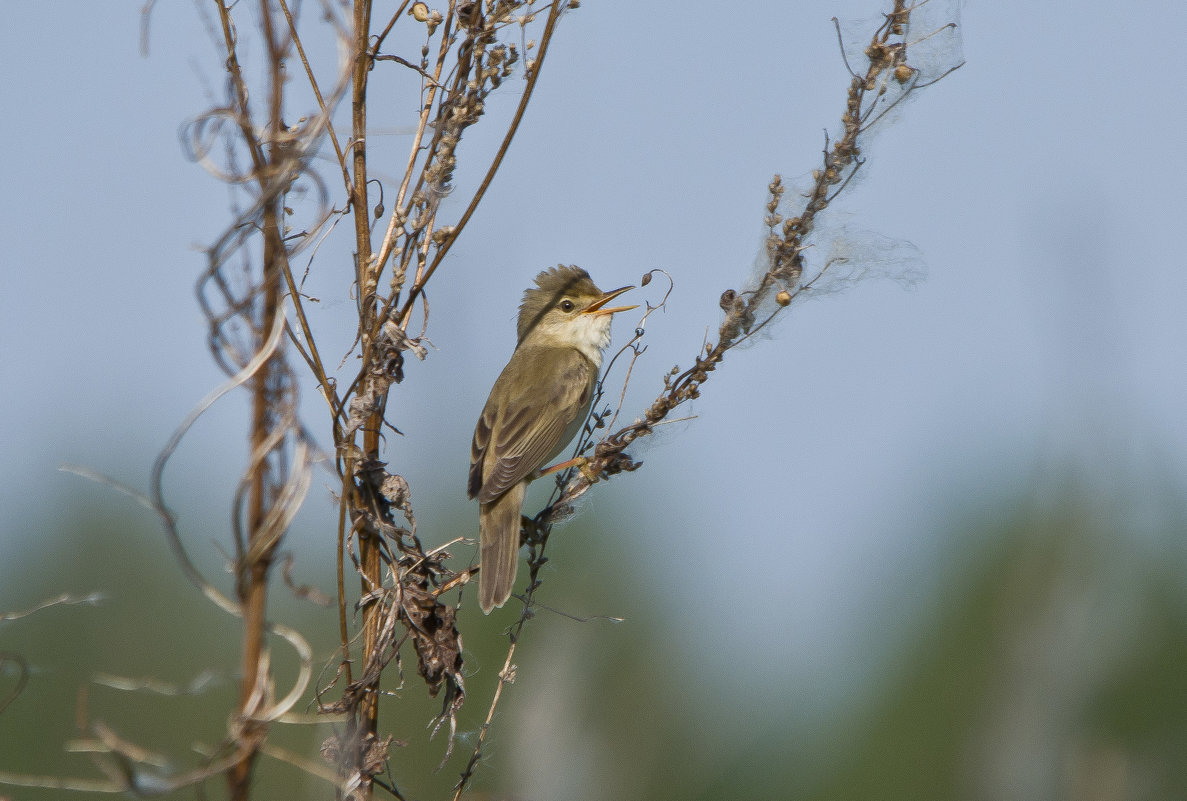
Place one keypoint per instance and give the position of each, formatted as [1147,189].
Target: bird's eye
[567,305]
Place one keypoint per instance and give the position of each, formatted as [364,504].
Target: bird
[536,406]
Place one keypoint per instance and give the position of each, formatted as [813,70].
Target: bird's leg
[580,462]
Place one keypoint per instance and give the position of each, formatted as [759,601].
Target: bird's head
[566,309]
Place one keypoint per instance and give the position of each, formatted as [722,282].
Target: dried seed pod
[783,297]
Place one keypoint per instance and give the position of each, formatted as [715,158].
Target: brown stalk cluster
[402,584]
[470,49]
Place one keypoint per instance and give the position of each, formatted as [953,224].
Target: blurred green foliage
[1050,662]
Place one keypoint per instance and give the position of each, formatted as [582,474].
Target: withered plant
[395,596]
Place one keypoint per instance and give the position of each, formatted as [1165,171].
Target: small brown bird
[537,405]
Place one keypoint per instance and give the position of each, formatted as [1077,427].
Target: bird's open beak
[599,305]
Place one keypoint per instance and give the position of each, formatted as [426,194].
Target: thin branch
[554,12]
[321,102]
[506,676]
[388,28]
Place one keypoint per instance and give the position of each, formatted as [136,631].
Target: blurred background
[922,542]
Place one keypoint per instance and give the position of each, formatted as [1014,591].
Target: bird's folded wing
[518,435]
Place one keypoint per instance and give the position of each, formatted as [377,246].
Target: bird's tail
[498,527]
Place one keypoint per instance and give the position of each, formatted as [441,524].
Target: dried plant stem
[321,101]
[398,208]
[358,144]
[554,12]
[254,595]
[256,561]
[506,676]
[363,726]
